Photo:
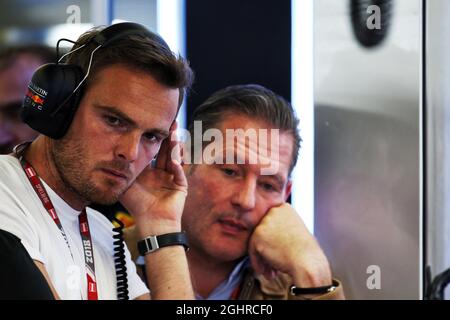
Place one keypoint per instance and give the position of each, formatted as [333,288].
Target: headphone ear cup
[50,102]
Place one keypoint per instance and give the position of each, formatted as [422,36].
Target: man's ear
[174,125]
[288,190]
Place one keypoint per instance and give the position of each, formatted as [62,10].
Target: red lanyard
[84,228]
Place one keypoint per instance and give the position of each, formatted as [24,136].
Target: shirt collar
[62,208]
[224,290]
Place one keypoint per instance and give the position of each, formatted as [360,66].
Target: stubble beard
[71,163]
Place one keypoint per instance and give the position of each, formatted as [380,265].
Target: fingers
[169,157]
[169,149]
[179,178]
[175,147]
[262,267]
[161,159]
[256,262]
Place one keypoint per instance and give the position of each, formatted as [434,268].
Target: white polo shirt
[22,214]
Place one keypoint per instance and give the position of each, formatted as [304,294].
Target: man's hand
[156,199]
[281,242]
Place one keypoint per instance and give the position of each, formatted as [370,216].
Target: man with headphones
[103,116]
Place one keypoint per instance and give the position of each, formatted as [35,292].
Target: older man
[246,241]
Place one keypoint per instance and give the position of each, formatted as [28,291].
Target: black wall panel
[238,41]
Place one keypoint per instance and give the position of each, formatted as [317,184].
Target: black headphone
[55,90]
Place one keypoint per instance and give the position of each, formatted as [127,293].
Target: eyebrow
[277,177]
[124,117]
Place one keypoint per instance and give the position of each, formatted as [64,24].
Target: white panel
[367,161]
[171,26]
[100,12]
[438,133]
[302,101]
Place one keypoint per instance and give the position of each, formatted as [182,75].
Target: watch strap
[153,243]
[296,291]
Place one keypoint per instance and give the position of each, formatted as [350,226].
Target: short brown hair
[149,54]
[254,101]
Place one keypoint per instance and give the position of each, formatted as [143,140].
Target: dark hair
[254,101]
[149,54]
[11,54]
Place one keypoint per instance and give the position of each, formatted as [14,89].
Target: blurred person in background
[17,65]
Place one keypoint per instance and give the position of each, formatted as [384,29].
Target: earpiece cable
[57,49]
[89,68]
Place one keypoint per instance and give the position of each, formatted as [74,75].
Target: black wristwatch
[153,243]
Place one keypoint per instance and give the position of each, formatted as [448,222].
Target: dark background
[237,42]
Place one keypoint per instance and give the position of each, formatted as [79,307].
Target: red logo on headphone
[36,98]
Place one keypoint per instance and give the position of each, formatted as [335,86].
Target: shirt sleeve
[19,277]
[15,219]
